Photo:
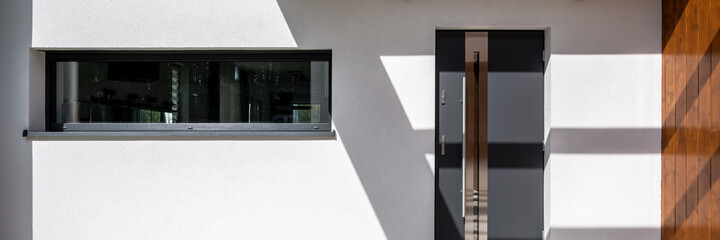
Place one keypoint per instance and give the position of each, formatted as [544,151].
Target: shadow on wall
[605,141]
[603,233]
[388,154]
[15,152]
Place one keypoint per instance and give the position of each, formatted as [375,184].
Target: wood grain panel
[690,125]
[668,125]
[704,114]
[476,142]
[681,124]
[691,120]
[715,118]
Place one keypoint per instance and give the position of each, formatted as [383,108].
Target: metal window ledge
[182,135]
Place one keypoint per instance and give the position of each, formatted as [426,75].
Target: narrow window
[189,91]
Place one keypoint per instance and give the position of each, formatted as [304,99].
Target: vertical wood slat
[704,113]
[691,120]
[668,125]
[680,104]
[715,125]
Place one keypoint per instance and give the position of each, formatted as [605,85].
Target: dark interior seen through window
[130,91]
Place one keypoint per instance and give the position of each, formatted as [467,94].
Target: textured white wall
[376,179]
[199,190]
[15,151]
[605,144]
[161,23]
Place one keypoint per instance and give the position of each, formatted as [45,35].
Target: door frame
[546,94]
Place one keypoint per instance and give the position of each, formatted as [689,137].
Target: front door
[489,128]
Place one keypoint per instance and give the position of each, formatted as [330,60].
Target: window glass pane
[192,92]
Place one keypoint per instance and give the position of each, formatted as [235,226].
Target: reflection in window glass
[192,92]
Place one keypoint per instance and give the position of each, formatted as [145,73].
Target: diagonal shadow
[674,143]
[715,179]
[672,12]
[684,97]
[387,153]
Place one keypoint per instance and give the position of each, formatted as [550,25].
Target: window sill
[181,135]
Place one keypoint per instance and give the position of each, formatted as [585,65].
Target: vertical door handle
[442,97]
[442,145]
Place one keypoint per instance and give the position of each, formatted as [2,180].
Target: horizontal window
[189,91]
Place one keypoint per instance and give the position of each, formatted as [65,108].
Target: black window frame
[52,57]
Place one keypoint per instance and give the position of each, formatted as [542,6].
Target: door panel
[448,166]
[449,173]
[515,134]
[503,117]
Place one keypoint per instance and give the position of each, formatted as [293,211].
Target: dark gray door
[450,72]
[514,135]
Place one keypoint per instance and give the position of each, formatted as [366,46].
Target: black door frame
[445,218]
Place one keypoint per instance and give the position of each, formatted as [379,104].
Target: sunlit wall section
[412,78]
[159,24]
[605,146]
[198,190]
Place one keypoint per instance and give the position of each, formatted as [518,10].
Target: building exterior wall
[375,181]
[15,151]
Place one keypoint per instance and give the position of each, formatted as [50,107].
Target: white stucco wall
[376,180]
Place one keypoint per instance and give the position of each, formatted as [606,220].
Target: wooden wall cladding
[691,119]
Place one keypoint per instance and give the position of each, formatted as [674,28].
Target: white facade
[375,181]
